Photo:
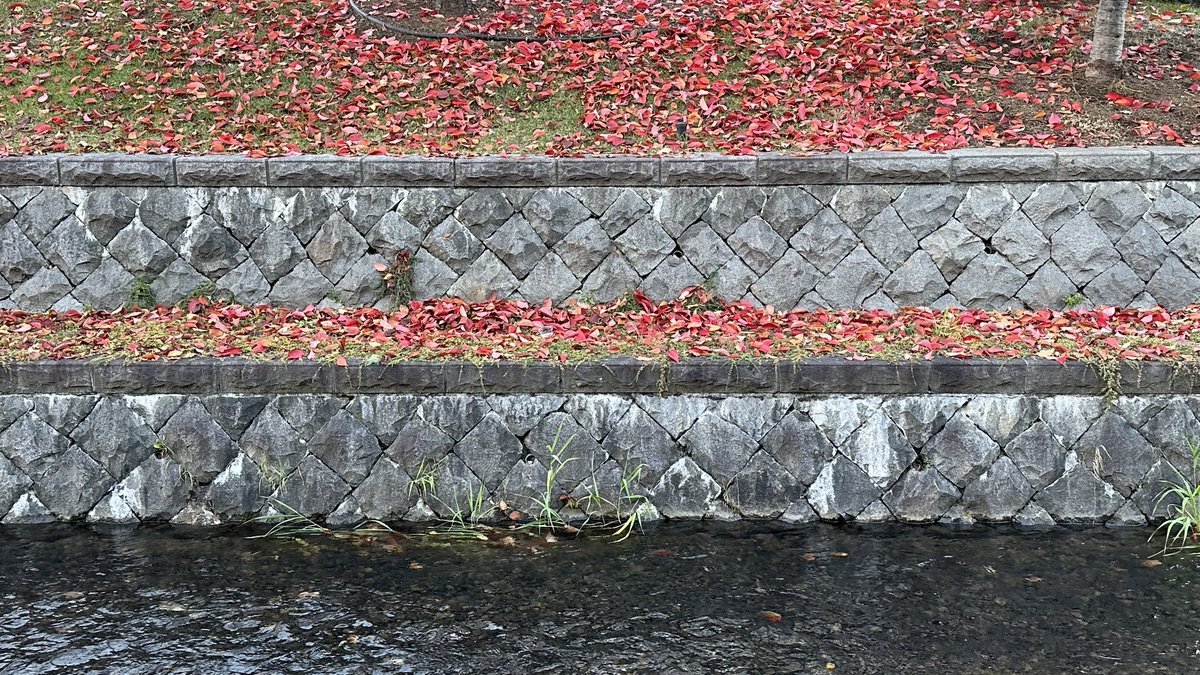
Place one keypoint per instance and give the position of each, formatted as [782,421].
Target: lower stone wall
[207,459]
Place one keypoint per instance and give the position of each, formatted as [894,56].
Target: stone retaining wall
[978,228]
[207,442]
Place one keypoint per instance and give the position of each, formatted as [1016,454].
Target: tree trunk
[1108,42]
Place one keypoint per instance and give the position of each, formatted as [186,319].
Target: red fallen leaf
[773,617]
[341,361]
[295,354]
[673,354]
[661,552]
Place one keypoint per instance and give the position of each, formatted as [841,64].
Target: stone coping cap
[822,376]
[765,169]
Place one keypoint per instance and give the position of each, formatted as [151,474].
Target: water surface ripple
[684,598]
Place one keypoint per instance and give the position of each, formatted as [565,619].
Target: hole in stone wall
[987,246]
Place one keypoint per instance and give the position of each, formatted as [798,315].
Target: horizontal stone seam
[717,378]
[1098,164]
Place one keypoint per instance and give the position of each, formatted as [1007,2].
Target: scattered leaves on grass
[291,76]
[451,329]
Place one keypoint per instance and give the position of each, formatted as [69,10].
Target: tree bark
[1108,42]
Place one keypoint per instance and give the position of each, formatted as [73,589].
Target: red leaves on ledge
[693,326]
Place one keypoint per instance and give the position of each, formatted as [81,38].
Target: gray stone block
[989,281]
[708,170]
[485,211]
[193,376]
[1003,164]
[961,452]
[925,208]
[670,278]
[29,171]
[898,167]
[73,249]
[141,252]
[105,212]
[1116,207]
[686,491]
[608,171]
[195,440]
[888,239]
[842,490]
[676,209]
[1174,285]
[335,248]
[505,171]
[220,171]
[998,494]
[985,208]
[921,496]
[762,489]
[116,169]
[783,169]
[824,241]
[917,282]
[1172,163]
[345,445]
[853,280]
[1103,164]
[1082,249]
[407,171]
[613,376]
[1079,496]
[314,171]
[210,249]
[554,213]
[628,208]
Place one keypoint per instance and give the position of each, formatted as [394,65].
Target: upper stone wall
[977,228]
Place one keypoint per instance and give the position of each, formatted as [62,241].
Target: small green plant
[548,516]
[141,295]
[288,523]
[1182,526]
[1073,300]
[628,302]
[398,278]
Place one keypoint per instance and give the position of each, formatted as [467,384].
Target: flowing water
[683,598]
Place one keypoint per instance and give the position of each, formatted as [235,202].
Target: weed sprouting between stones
[1182,526]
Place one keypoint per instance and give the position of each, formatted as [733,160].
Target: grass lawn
[279,76]
[693,326]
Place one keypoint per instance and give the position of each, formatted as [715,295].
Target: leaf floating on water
[841,554]
[514,515]
[1033,580]
[809,557]
[308,595]
[414,565]
[661,552]
[1151,563]
[773,617]
[830,666]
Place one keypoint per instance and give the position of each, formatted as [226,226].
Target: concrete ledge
[768,169]
[822,376]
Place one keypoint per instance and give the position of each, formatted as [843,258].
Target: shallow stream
[683,598]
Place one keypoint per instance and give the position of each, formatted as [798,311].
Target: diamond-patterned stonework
[986,245]
[116,458]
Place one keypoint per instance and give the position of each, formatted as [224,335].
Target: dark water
[684,598]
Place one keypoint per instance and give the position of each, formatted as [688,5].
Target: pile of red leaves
[693,326]
[280,76]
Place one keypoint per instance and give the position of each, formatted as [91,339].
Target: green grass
[1181,529]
